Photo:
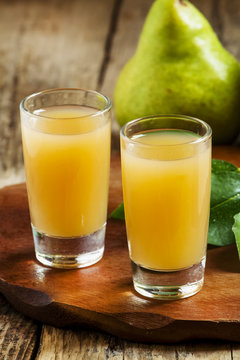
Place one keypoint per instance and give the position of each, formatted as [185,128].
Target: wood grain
[45,45]
[18,334]
[235,352]
[128,28]
[93,345]
[74,345]
[81,344]
[124,41]
[102,296]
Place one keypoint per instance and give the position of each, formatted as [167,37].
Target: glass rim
[93,92]
[201,139]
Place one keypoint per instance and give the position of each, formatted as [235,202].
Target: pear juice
[67,157]
[166,188]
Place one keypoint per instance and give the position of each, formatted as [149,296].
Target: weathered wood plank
[235,352]
[45,45]
[69,344]
[149,352]
[18,334]
[202,351]
[129,24]
[124,41]
[79,344]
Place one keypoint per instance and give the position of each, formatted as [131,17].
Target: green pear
[180,67]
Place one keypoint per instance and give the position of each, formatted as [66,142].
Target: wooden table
[84,44]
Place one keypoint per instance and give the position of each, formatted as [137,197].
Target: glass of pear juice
[66,145]
[166,176]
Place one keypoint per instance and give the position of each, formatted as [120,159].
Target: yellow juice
[166,192]
[67,155]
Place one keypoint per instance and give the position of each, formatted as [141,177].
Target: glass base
[172,285]
[69,252]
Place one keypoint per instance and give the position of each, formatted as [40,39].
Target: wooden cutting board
[102,296]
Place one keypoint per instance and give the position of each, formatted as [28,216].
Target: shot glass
[166,175]
[66,145]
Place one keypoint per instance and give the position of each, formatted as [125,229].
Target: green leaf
[118,213]
[221,221]
[222,165]
[225,202]
[225,185]
[236,230]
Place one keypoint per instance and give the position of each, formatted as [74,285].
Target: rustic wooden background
[79,43]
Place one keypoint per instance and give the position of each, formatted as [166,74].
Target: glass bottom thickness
[172,285]
[69,252]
